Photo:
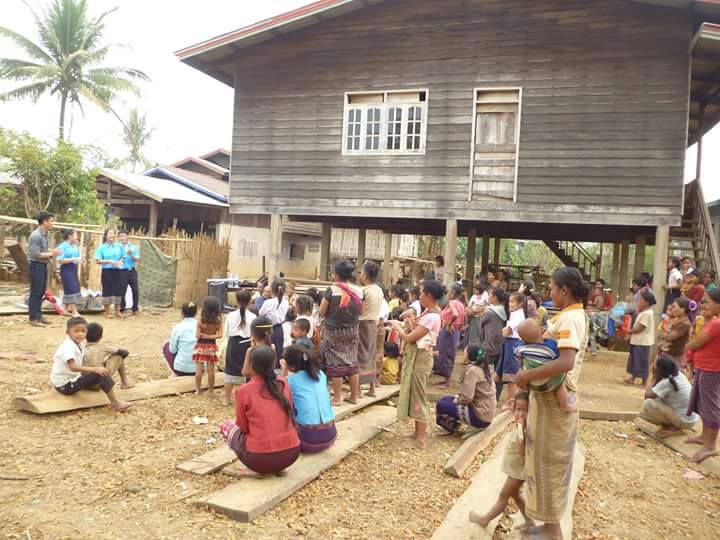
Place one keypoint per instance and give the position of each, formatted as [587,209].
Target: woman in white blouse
[275,309]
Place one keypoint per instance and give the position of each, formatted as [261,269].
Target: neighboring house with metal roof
[199,201]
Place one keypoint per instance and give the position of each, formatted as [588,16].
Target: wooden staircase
[574,254]
[695,234]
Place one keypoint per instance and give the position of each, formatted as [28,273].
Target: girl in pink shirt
[453,318]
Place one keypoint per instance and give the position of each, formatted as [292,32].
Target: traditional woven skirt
[316,438]
[549,453]
[71,283]
[705,397]
[449,415]
[380,349]
[447,348]
[235,356]
[638,364]
[206,350]
[111,285]
[270,463]
[416,368]
[339,351]
[474,332]
[278,339]
[367,345]
[508,365]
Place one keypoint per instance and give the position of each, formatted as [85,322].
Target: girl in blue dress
[69,261]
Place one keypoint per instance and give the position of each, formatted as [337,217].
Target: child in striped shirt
[537,351]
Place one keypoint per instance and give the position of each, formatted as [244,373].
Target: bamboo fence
[199,257]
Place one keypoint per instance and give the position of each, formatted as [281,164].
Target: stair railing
[705,233]
[586,262]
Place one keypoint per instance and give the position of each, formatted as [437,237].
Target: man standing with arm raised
[39,255]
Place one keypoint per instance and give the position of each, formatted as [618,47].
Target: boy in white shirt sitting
[69,376]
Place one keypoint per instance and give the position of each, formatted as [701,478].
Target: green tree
[52,178]
[136,135]
[65,61]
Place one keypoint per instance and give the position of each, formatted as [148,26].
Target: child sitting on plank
[69,375]
[391,364]
[535,352]
[513,466]
[107,356]
[263,434]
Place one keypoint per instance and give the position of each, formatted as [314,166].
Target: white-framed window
[392,122]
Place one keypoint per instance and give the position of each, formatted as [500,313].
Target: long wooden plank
[218,458]
[480,496]
[464,455]
[55,402]
[677,443]
[250,497]
[612,416]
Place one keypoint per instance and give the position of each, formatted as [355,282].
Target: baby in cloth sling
[536,352]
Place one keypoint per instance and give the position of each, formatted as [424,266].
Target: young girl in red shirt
[264,435]
[705,396]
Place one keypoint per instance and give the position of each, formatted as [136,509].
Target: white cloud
[191,112]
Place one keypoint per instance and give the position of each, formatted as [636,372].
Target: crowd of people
[117,256]
[287,358]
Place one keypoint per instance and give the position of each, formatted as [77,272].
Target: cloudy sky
[191,112]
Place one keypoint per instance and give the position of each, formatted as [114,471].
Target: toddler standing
[642,338]
[209,330]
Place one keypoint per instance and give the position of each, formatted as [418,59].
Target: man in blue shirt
[131,258]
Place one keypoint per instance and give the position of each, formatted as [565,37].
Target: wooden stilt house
[555,120]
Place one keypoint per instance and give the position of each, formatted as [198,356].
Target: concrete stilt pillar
[361,249]
[387,261]
[496,251]
[615,278]
[450,250]
[639,267]
[662,245]
[275,246]
[325,245]
[470,262]
[485,253]
[624,270]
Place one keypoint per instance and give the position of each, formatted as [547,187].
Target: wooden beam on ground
[55,402]
[480,496]
[214,460]
[611,416]
[247,499]
[465,455]
[677,443]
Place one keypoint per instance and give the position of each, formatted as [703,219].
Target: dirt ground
[94,474]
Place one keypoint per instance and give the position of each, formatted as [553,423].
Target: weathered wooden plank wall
[604,110]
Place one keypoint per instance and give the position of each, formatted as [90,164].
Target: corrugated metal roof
[181,176]
[221,187]
[209,165]
[160,189]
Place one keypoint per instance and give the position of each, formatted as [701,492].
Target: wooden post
[662,244]
[387,260]
[450,250]
[152,219]
[361,247]
[496,251]
[615,277]
[639,256]
[624,270]
[485,253]
[470,261]
[2,239]
[325,245]
[275,246]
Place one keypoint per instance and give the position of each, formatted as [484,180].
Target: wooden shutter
[495,144]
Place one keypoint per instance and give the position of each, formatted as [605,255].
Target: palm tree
[65,60]
[136,135]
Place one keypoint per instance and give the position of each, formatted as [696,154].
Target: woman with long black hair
[109,255]
[263,435]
